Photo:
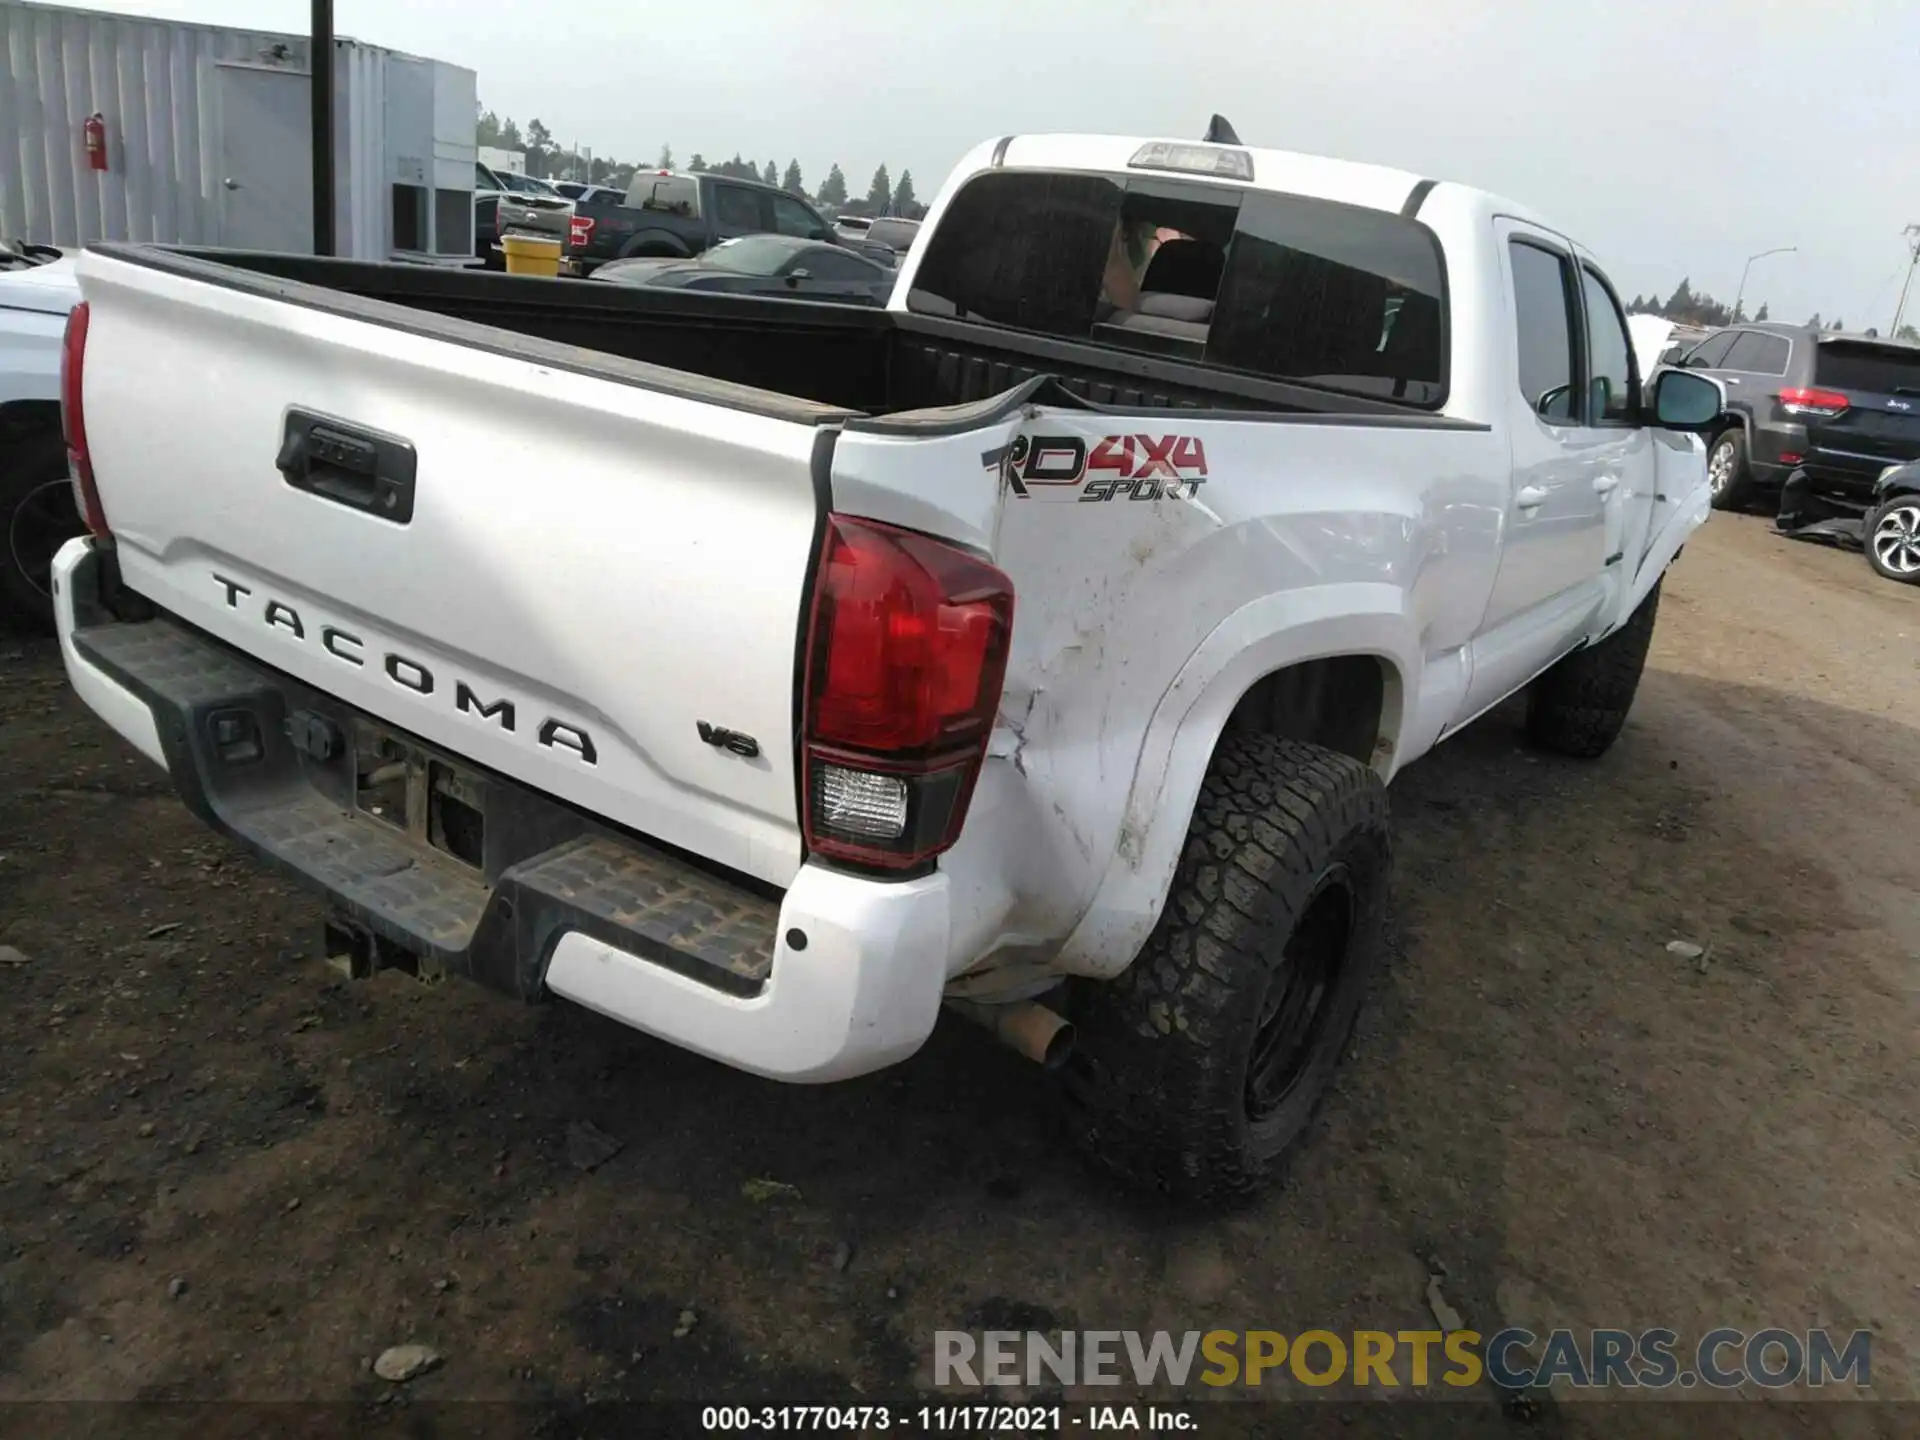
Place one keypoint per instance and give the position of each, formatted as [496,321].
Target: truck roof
[1353,182]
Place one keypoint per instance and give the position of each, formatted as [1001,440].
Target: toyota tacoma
[1042,645]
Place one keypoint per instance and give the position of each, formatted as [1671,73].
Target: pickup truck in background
[37,512]
[887,239]
[669,215]
[1041,646]
[508,204]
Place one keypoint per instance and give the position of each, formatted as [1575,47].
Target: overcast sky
[1675,138]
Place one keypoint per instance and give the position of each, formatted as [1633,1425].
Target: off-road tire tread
[1156,1084]
[1579,707]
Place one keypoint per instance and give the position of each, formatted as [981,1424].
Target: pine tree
[1680,301]
[666,158]
[833,190]
[770,175]
[1761,313]
[792,183]
[699,161]
[903,201]
[1839,324]
[880,192]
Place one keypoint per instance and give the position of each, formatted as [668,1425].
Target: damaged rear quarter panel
[1300,538]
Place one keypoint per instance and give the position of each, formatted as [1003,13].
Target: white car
[766,675]
[37,514]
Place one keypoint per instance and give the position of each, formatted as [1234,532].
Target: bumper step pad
[568,874]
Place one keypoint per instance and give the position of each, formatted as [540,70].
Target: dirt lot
[1586,1129]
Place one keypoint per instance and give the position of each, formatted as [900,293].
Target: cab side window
[735,208]
[1614,397]
[1708,354]
[1543,326]
[790,217]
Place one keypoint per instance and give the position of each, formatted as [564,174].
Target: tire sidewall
[35,463]
[1874,518]
[1734,492]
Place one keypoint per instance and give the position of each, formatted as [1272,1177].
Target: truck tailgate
[554,573]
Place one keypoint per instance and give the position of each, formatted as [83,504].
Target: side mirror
[794,277]
[1555,404]
[1683,400]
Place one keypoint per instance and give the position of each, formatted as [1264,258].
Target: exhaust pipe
[1042,1035]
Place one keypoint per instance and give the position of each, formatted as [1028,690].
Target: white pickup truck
[765,674]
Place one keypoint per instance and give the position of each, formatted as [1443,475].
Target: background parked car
[1659,341]
[578,190]
[669,215]
[1835,408]
[887,239]
[37,513]
[782,266]
[1891,532]
[505,203]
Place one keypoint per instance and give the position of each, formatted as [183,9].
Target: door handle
[231,183]
[1530,497]
[348,465]
[1729,379]
[1606,484]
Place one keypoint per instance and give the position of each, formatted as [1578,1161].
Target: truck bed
[855,361]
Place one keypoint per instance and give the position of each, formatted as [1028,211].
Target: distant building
[127,128]
[496,159]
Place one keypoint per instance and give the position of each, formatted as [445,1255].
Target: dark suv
[1840,408]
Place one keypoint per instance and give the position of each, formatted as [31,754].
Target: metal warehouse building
[116,127]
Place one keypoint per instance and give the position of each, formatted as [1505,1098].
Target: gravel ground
[226,1172]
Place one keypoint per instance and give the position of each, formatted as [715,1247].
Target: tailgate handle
[348,464]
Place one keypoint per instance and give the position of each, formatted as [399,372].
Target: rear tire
[1198,1068]
[1579,706]
[1728,474]
[1892,535]
[37,517]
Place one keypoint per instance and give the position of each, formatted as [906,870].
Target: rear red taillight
[906,655]
[73,419]
[580,232]
[1822,404]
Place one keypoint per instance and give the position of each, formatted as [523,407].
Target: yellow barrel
[531,255]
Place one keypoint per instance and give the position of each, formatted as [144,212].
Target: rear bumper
[836,977]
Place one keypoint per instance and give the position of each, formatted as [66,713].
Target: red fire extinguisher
[95,131]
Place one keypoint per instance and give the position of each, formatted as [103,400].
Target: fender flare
[1264,636]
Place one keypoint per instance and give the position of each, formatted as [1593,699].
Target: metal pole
[1900,309]
[1777,250]
[320,67]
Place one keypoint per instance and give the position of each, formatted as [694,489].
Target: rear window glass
[1278,286]
[1851,365]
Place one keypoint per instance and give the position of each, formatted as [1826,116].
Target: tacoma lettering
[408,674]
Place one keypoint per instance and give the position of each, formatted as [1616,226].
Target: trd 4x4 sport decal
[1119,467]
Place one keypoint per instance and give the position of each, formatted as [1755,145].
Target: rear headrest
[1176,307]
[1185,267]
